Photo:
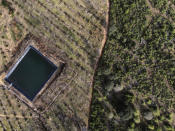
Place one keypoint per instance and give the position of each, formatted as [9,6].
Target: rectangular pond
[31,73]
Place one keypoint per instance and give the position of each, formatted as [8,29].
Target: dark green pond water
[32,72]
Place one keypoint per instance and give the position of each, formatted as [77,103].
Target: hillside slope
[134,86]
[71,30]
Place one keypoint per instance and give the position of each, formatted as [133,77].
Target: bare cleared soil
[75,32]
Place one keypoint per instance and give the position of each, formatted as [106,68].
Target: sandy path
[105,33]
[17,116]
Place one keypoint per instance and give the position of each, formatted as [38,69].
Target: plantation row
[70,50]
[14,115]
[73,30]
[56,36]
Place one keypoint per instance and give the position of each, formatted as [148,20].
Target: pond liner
[9,76]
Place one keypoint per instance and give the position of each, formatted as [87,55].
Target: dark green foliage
[139,57]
